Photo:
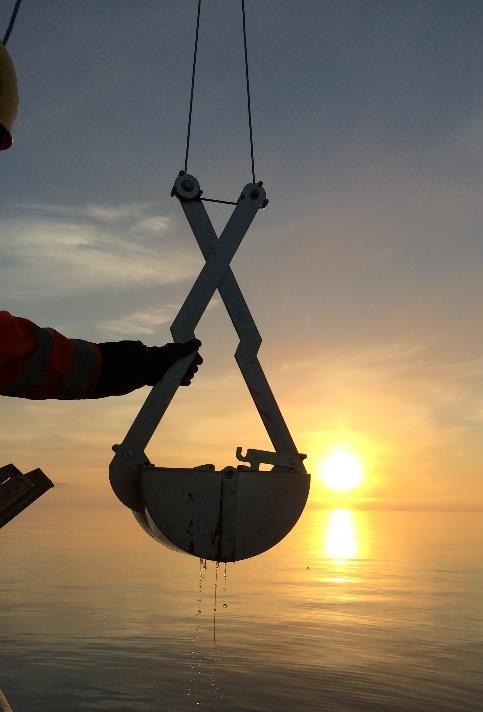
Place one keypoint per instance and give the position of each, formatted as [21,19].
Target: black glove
[127,365]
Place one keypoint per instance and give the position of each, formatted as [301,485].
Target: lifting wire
[11,23]
[195,57]
[248,91]
[249,106]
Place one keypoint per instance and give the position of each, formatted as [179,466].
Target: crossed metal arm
[215,274]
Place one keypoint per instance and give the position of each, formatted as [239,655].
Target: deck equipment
[239,511]
[17,491]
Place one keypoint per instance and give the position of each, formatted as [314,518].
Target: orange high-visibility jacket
[40,363]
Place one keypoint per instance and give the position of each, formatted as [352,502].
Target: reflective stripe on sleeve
[58,367]
[82,373]
[34,368]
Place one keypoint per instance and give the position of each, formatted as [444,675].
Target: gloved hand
[127,365]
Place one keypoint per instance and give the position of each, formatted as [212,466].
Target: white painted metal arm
[130,455]
[216,274]
[250,339]
[218,257]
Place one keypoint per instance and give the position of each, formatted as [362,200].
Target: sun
[341,470]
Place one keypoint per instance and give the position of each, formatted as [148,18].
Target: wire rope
[193,73]
[11,23]
[247,81]
[248,89]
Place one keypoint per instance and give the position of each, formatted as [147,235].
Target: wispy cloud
[50,251]
[98,212]
[139,323]
[387,359]
[144,322]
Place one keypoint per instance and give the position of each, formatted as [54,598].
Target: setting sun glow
[341,471]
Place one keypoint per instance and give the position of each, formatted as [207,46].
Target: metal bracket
[17,491]
[216,274]
[277,459]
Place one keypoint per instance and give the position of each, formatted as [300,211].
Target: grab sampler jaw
[225,515]
[238,512]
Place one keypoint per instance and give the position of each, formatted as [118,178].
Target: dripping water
[225,604]
[195,664]
[210,659]
[215,602]
[214,686]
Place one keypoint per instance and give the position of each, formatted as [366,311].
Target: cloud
[145,322]
[98,212]
[153,225]
[407,389]
[52,251]
[387,358]
[139,323]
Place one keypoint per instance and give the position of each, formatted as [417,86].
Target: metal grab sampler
[237,512]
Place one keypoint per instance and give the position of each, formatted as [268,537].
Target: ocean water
[354,610]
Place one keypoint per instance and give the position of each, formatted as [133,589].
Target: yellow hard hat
[8,98]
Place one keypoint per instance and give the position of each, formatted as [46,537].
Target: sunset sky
[364,274]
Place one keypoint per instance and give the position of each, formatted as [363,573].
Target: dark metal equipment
[17,491]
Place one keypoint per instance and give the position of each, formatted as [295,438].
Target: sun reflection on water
[343,545]
[341,536]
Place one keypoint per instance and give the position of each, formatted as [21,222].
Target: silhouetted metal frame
[215,274]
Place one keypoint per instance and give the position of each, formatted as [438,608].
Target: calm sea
[355,610]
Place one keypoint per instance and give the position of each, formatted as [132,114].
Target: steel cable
[248,89]
[11,23]
[195,56]
[247,79]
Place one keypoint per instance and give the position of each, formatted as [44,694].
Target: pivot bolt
[255,193]
[260,183]
[128,454]
[187,185]
[181,173]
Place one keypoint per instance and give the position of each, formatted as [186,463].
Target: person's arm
[40,363]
